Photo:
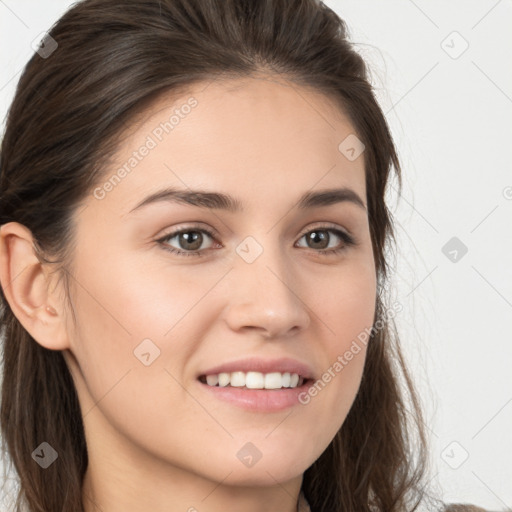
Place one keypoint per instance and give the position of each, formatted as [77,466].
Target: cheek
[122,321]
[124,302]
[126,318]
[347,304]
[348,308]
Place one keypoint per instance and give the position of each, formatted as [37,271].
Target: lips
[284,381]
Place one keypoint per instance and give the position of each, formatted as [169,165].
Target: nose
[266,296]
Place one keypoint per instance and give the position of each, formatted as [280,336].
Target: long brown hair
[113,58]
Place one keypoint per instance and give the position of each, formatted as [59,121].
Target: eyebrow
[220,201]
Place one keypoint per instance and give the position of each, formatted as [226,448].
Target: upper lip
[253,364]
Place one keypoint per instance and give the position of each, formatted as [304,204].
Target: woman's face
[257,294]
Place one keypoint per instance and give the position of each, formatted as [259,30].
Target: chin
[271,464]
[265,474]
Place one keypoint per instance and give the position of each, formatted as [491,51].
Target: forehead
[250,136]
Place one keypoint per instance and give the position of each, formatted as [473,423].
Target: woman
[193,240]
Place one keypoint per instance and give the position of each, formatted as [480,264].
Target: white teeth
[273,380]
[256,380]
[212,380]
[224,379]
[238,379]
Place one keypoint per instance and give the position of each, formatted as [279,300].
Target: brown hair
[113,59]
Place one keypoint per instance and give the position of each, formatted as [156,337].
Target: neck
[114,493]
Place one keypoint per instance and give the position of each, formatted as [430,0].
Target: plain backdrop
[443,77]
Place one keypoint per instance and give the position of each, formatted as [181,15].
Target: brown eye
[188,242]
[320,240]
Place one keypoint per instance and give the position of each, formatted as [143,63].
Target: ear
[26,282]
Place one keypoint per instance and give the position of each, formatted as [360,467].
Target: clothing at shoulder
[462,507]
[457,507]
[304,507]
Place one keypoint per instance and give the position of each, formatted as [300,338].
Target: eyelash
[348,240]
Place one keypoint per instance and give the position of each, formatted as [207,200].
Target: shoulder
[462,507]
[454,507]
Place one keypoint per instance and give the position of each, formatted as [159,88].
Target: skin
[156,439]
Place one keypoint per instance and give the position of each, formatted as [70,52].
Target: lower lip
[260,400]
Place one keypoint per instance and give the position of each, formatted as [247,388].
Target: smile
[253,380]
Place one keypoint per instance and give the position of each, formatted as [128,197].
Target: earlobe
[25,284]
[51,310]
